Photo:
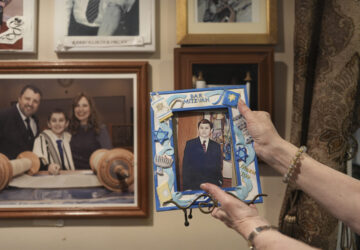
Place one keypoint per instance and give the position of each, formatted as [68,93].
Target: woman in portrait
[87,133]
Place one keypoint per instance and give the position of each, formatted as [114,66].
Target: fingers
[219,214]
[214,190]
[54,169]
[221,196]
[222,215]
[57,170]
[244,110]
[227,201]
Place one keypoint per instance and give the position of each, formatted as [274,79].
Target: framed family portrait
[100,26]
[226,22]
[251,66]
[198,136]
[115,180]
[18,23]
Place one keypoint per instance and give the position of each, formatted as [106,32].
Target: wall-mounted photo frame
[18,26]
[118,90]
[226,65]
[198,135]
[124,26]
[224,22]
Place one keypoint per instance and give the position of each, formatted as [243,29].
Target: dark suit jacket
[200,167]
[14,138]
[129,23]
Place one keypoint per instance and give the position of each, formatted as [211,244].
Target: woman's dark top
[85,142]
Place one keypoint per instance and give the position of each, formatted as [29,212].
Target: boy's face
[204,130]
[58,123]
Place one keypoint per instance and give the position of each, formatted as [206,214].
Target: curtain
[325,97]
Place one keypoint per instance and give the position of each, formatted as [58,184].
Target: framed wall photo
[252,66]
[18,26]
[226,22]
[100,26]
[198,135]
[115,181]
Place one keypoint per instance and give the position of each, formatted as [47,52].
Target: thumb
[244,109]
[214,190]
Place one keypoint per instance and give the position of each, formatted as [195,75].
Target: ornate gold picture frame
[261,29]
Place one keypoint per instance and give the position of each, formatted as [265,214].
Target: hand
[262,131]
[54,169]
[4,3]
[233,212]
[110,21]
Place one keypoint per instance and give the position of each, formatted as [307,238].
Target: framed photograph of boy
[18,26]
[104,25]
[60,151]
[198,136]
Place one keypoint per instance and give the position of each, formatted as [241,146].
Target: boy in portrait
[202,160]
[52,145]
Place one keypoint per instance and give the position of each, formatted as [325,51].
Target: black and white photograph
[226,22]
[102,18]
[104,25]
[224,11]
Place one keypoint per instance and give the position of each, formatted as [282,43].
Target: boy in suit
[53,144]
[18,124]
[202,160]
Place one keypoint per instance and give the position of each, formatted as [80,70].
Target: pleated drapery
[325,105]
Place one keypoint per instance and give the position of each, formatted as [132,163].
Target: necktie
[204,146]
[92,10]
[28,128]
[61,152]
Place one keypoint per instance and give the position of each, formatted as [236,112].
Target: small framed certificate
[104,26]
[199,136]
[18,26]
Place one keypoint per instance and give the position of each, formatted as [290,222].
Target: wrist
[280,153]
[246,227]
[262,237]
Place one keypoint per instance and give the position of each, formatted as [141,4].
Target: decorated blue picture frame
[176,116]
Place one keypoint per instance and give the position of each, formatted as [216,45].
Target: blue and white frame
[163,107]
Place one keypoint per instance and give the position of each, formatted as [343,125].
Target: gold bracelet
[255,232]
[294,164]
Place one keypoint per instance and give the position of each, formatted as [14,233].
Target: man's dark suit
[129,23]
[200,167]
[14,137]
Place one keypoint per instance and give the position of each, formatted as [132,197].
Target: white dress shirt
[32,121]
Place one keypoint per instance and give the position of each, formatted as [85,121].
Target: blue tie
[61,152]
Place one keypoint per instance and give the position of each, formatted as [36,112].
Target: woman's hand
[54,169]
[262,130]
[233,212]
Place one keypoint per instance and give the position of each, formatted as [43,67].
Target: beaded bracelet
[294,164]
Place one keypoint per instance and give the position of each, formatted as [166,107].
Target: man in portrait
[18,124]
[202,160]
